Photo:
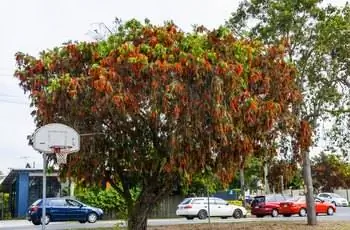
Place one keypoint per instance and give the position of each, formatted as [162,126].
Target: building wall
[22,187]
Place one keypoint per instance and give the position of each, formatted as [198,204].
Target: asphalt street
[342,214]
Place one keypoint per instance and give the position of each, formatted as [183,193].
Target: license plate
[285,206]
[256,207]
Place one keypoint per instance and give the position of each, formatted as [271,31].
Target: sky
[31,26]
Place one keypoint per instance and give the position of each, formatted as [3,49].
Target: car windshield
[186,201]
[36,202]
[335,195]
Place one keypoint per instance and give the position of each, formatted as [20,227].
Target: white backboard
[56,134]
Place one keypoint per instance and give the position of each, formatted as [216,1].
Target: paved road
[343,214]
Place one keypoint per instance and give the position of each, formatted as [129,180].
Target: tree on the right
[317,36]
[330,172]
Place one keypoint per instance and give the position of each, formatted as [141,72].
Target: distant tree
[330,172]
[163,105]
[281,170]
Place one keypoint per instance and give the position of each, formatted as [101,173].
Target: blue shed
[25,186]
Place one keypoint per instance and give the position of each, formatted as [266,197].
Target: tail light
[34,208]
[188,206]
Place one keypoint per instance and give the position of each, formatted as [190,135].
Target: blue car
[63,209]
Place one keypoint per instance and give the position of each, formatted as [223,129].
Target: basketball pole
[43,216]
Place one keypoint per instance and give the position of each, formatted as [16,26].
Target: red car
[267,205]
[298,206]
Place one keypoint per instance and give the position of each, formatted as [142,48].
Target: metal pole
[43,216]
[208,209]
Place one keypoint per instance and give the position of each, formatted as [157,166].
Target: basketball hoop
[61,153]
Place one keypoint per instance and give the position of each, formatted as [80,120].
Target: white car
[202,207]
[333,198]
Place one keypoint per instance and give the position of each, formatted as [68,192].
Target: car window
[220,201]
[73,203]
[57,203]
[258,200]
[323,195]
[197,201]
[186,201]
[36,202]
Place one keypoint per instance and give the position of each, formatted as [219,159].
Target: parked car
[198,207]
[267,205]
[333,198]
[63,209]
[298,206]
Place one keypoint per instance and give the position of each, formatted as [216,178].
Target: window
[221,202]
[323,195]
[197,201]
[186,201]
[73,203]
[58,203]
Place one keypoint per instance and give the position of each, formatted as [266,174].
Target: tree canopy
[163,104]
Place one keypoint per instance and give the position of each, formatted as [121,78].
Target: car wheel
[189,217]
[92,217]
[237,214]
[36,222]
[287,215]
[46,220]
[330,211]
[274,213]
[202,214]
[82,221]
[302,212]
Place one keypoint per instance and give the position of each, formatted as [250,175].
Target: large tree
[318,47]
[163,105]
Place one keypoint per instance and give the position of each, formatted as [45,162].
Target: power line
[14,102]
[8,95]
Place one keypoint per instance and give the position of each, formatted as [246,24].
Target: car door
[320,206]
[77,210]
[212,209]
[223,209]
[57,209]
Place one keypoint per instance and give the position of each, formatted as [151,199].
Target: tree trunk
[266,183]
[137,218]
[241,177]
[154,191]
[311,212]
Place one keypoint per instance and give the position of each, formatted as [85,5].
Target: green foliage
[235,202]
[253,174]
[106,199]
[201,184]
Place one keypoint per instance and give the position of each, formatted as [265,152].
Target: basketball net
[61,154]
